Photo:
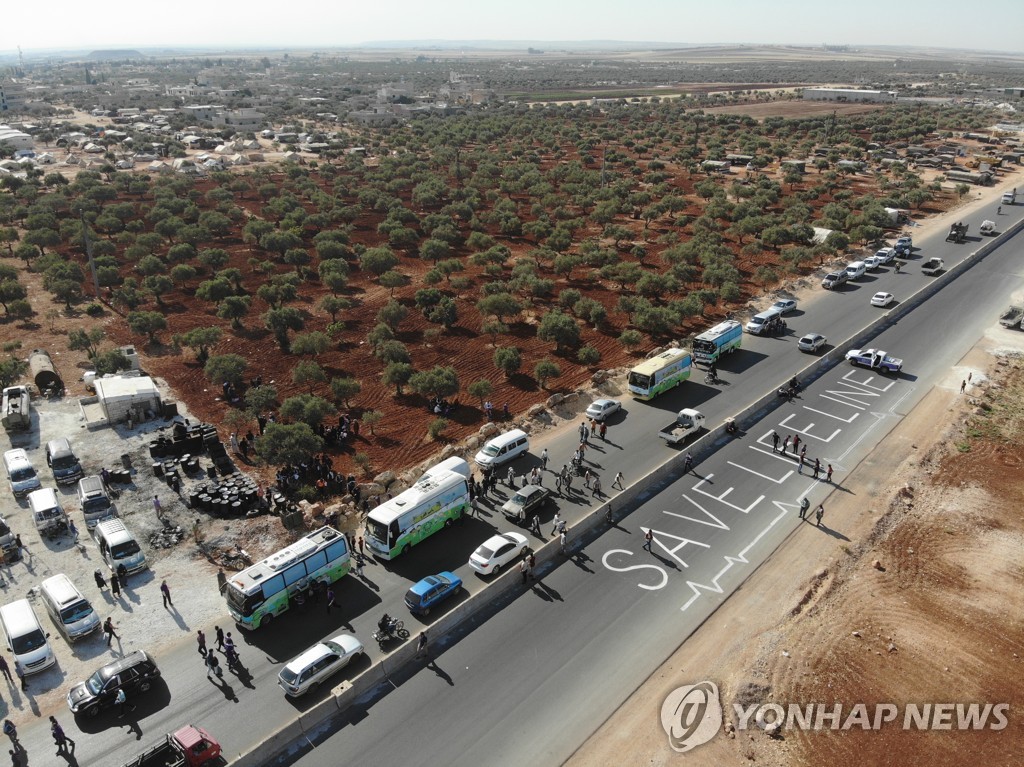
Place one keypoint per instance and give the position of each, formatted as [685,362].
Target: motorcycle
[394,629]
[711,377]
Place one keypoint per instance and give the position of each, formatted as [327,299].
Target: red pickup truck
[188,747]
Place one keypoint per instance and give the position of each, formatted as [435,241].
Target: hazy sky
[948,23]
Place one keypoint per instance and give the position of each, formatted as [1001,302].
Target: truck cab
[1009,198]
[190,746]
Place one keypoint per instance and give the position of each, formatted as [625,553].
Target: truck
[874,359]
[1012,316]
[190,746]
[688,422]
[988,228]
[1009,198]
[17,408]
[932,266]
[957,232]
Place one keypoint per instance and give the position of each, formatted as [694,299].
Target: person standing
[775,441]
[562,537]
[687,463]
[558,484]
[5,670]
[587,479]
[201,640]
[359,565]
[796,444]
[818,514]
[583,432]
[803,453]
[555,522]
[330,598]
[11,731]
[421,645]
[157,507]
[544,458]
[817,468]
[648,538]
[60,739]
[73,530]
[535,524]
[804,506]
[597,486]
[108,629]
[123,705]
[828,473]
[101,582]
[218,633]
[963,386]
[21,675]
[524,570]
[115,586]
[360,543]
[165,591]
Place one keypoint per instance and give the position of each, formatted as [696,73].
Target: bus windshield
[245,605]
[639,380]
[376,529]
[703,345]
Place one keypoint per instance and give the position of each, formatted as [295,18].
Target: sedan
[307,671]
[812,342]
[433,589]
[786,305]
[602,408]
[882,299]
[496,552]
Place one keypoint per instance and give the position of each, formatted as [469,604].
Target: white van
[856,269]
[25,637]
[70,612]
[47,513]
[503,448]
[20,473]
[119,547]
[757,324]
[95,503]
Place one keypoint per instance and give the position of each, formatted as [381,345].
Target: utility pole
[88,253]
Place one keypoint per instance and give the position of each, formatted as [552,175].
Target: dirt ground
[921,605]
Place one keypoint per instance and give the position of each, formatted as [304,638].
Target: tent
[158,167]
[124,397]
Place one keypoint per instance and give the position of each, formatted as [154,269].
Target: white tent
[93,148]
[158,167]
[292,157]
[124,397]
[46,159]
[238,159]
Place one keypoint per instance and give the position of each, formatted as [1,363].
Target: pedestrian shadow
[242,674]
[613,444]
[67,756]
[441,672]
[133,726]
[665,560]
[580,559]
[225,687]
[182,623]
[546,593]
[834,533]
[369,584]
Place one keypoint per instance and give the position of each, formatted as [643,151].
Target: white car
[872,262]
[885,255]
[602,408]
[785,305]
[496,552]
[811,342]
[307,671]
[882,299]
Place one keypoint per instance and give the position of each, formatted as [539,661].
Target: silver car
[307,671]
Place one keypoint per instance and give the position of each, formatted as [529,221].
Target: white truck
[932,266]
[1012,316]
[1009,198]
[688,422]
[988,228]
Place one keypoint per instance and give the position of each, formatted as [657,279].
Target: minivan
[95,503]
[70,612]
[833,280]
[503,448]
[20,473]
[759,322]
[119,547]
[855,269]
[62,461]
[47,513]
[25,637]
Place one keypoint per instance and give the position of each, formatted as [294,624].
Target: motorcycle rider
[897,267]
[713,372]
[384,625]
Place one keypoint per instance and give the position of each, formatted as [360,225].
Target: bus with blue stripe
[723,338]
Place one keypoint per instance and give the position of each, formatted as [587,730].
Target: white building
[15,139]
[849,95]
[203,112]
[242,119]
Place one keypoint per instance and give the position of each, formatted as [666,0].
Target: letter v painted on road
[717,522]
[683,543]
[721,498]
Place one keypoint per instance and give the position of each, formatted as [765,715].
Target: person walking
[587,479]
[165,591]
[648,538]
[828,473]
[804,506]
[6,670]
[963,386]
[584,432]
[157,508]
[785,444]
[604,431]
[597,486]
[108,629]
[60,739]
[360,543]
[330,598]
[818,514]
[796,444]
[558,484]
[535,524]
[524,570]
[101,582]
[359,565]
[510,478]
[544,458]
[618,481]
[123,705]
[218,634]
[73,530]
[212,665]
[803,453]
[555,522]
[561,542]
[11,731]
[799,466]
[201,641]
[775,441]
[421,644]
[474,507]
[817,468]
[687,463]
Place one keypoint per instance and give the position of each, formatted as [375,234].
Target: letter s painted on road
[660,570]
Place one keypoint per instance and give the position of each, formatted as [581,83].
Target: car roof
[602,401]
[529,490]
[132,659]
[311,655]
[420,586]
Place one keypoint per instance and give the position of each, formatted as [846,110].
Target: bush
[545,370]
[588,355]
[95,310]
[437,427]
[631,339]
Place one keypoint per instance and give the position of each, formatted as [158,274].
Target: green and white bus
[660,373]
[262,591]
[437,499]
[723,338]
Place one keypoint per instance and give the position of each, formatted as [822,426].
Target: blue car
[431,590]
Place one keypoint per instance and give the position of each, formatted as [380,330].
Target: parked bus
[264,590]
[660,373]
[721,339]
[438,497]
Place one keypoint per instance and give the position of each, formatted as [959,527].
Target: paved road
[530,684]
[761,365]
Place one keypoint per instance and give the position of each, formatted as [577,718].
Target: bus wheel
[266,620]
[405,549]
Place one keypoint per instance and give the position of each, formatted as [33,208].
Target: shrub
[437,427]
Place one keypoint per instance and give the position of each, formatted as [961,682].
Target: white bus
[721,339]
[262,591]
[660,373]
[437,499]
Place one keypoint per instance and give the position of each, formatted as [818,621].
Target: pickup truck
[1012,316]
[526,502]
[1009,198]
[874,359]
[904,246]
[688,422]
[988,228]
[188,747]
[932,266]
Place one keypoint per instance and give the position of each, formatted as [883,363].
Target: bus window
[337,549]
[315,561]
[295,573]
[272,585]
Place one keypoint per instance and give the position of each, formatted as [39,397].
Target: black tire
[405,549]
[402,633]
[267,619]
[92,712]
[496,570]
[312,688]
[144,686]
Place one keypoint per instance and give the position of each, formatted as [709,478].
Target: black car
[134,673]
